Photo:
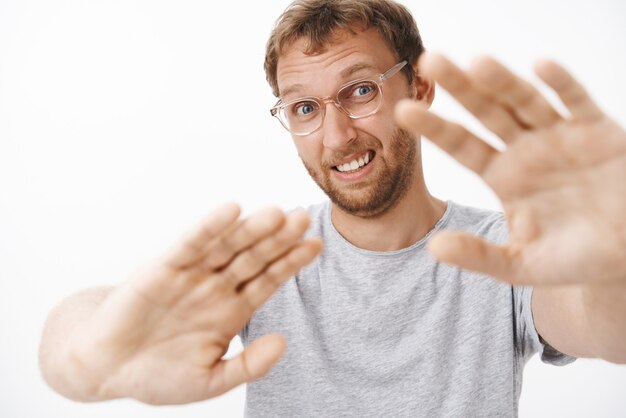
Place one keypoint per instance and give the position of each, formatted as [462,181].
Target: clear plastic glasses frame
[278,111]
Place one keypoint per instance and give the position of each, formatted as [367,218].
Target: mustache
[357,147]
[363,143]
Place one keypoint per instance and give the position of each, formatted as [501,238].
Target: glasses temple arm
[393,70]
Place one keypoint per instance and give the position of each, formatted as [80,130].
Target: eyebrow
[345,73]
[356,68]
[291,89]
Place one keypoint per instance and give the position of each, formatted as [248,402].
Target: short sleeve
[528,341]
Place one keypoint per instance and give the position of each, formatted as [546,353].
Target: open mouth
[356,164]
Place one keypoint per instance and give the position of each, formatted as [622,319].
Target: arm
[560,181]
[160,336]
[56,370]
[583,322]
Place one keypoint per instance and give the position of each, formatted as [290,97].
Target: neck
[403,225]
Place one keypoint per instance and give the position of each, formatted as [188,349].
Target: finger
[192,247]
[247,233]
[251,364]
[488,110]
[252,261]
[570,91]
[519,95]
[453,138]
[472,253]
[258,290]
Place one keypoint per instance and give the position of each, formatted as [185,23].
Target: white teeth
[354,164]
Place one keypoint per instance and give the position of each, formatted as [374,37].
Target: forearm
[582,321]
[57,367]
[604,308]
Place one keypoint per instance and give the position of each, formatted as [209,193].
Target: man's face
[391,153]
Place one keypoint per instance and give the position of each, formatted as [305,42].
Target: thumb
[472,253]
[252,363]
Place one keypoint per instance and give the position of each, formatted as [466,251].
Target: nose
[337,129]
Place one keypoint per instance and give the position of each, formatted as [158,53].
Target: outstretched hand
[160,337]
[561,179]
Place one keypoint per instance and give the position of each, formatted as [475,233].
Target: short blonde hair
[318,20]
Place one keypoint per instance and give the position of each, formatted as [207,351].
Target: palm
[562,208]
[559,180]
[160,337]
[177,344]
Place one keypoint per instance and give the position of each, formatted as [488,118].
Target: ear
[423,88]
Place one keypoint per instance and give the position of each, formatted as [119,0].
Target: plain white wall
[123,122]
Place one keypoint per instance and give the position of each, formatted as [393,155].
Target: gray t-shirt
[396,334]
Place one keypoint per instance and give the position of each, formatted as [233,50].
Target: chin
[367,209]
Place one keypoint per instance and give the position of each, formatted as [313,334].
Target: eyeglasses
[357,99]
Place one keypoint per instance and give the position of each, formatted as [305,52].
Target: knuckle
[269,218]
[274,274]
[525,97]
[226,277]
[482,109]
[274,212]
[225,243]
[289,267]
[246,229]
[270,277]
[281,241]
[255,256]
[222,251]
[456,135]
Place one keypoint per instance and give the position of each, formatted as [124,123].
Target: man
[375,324]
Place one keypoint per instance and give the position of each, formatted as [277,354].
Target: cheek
[380,126]
[309,152]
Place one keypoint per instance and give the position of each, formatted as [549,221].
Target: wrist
[75,375]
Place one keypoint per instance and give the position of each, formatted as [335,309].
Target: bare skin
[561,183]
[411,214]
[159,337]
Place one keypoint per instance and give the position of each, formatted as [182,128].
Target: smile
[356,164]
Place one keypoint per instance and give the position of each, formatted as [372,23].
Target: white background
[123,122]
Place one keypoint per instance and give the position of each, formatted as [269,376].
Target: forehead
[348,56]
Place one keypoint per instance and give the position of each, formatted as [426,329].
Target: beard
[375,196]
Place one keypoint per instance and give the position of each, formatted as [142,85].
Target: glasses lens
[302,117]
[361,98]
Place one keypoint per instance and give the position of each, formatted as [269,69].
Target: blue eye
[304,108]
[363,90]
